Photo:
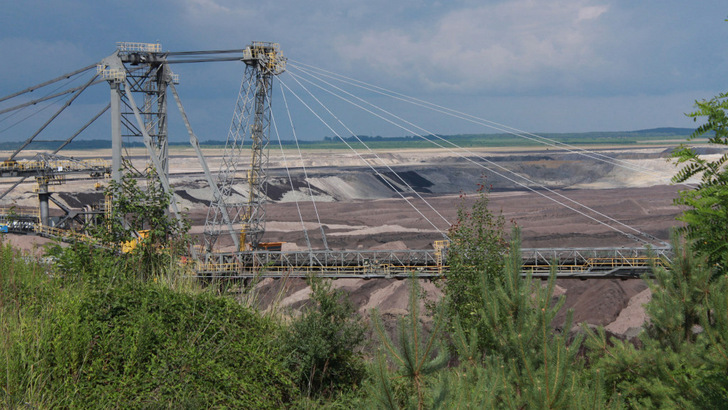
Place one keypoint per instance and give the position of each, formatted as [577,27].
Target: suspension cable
[290,181]
[355,151]
[387,165]
[305,172]
[66,105]
[481,121]
[59,78]
[506,170]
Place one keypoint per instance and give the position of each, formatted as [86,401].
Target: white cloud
[206,6]
[217,14]
[591,13]
[519,43]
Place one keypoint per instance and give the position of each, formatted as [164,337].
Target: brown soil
[358,213]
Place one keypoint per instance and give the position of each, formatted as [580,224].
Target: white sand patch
[298,196]
[380,229]
[639,173]
[379,296]
[632,316]
[360,186]
[301,295]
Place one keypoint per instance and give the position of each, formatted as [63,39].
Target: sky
[537,65]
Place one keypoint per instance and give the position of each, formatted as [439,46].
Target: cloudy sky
[537,65]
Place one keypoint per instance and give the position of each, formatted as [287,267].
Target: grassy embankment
[105,338]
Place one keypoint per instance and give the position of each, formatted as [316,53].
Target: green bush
[323,344]
[682,360]
[126,343]
[478,244]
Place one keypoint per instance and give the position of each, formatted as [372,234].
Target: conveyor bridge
[570,263]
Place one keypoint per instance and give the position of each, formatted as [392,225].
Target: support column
[43,196]
[163,142]
[116,141]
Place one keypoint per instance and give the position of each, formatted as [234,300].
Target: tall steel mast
[251,118]
[138,69]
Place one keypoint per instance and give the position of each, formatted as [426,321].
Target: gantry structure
[251,120]
[52,169]
[140,81]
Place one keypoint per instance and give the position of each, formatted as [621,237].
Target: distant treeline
[410,141]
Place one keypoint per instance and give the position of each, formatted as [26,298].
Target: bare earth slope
[361,208]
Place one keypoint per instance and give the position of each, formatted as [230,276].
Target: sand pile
[615,304]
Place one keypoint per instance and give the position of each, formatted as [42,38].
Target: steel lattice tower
[138,69]
[244,217]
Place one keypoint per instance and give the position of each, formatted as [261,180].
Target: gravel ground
[360,210]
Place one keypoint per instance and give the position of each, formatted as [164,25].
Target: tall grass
[27,296]
[95,335]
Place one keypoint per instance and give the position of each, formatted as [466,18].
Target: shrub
[323,344]
[127,343]
[477,246]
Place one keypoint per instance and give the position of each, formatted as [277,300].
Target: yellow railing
[64,234]
[239,268]
[6,212]
[598,263]
[59,165]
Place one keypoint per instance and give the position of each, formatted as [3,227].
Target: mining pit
[385,206]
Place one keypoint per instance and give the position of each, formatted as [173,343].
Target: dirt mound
[616,304]
[613,303]
[597,301]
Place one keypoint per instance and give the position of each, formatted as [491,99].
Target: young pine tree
[416,357]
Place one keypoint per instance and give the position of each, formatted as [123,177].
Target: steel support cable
[511,172]
[32,114]
[472,153]
[362,158]
[385,164]
[68,141]
[477,120]
[66,105]
[19,111]
[458,114]
[388,167]
[520,176]
[198,52]
[83,128]
[290,181]
[357,152]
[49,97]
[481,121]
[37,86]
[7,191]
[305,172]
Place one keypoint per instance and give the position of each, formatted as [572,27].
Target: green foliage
[415,356]
[139,208]
[681,361]
[139,215]
[714,321]
[679,297]
[706,215]
[125,343]
[526,363]
[323,344]
[475,257]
